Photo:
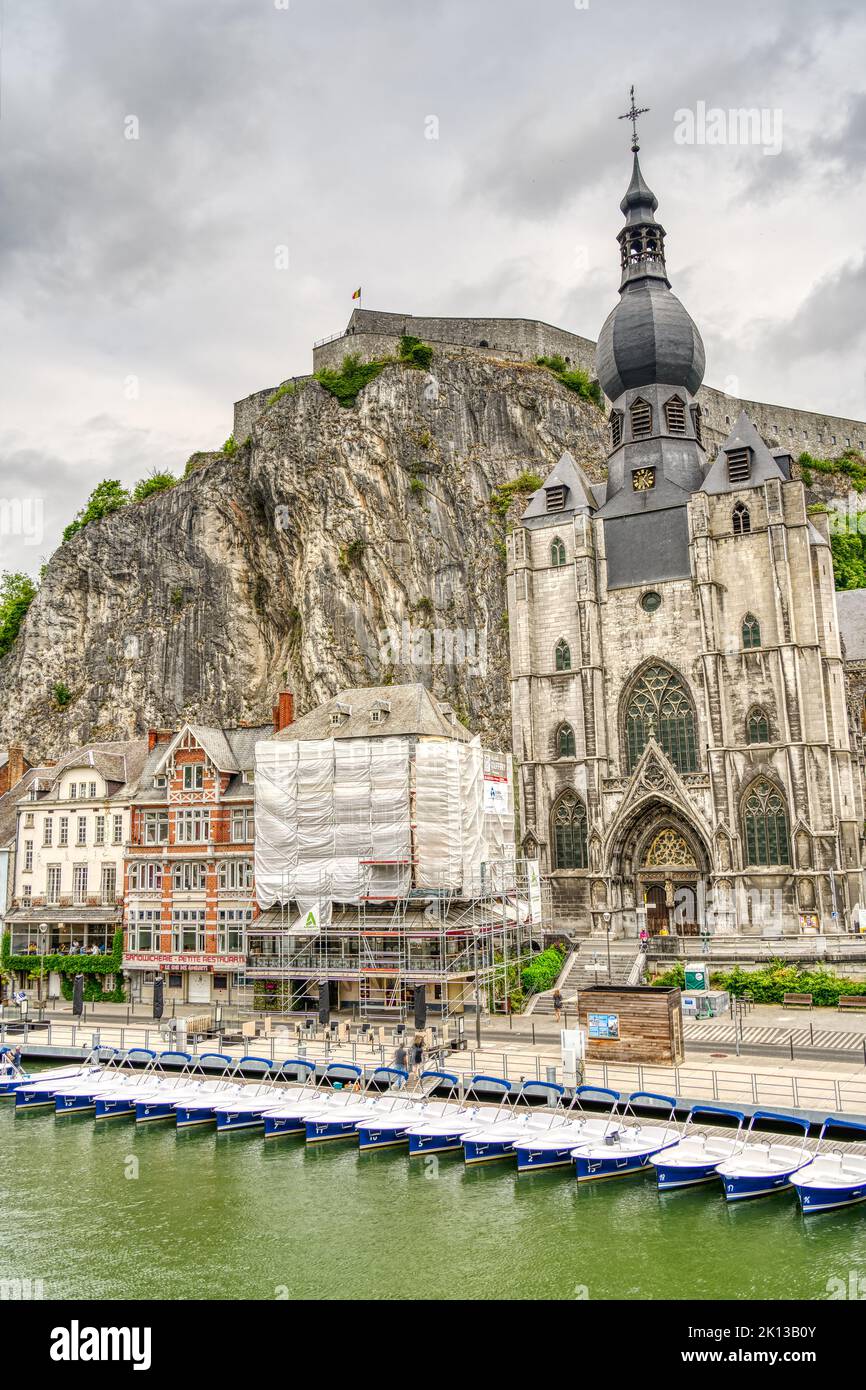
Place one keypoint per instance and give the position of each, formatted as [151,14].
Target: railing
[823,1094]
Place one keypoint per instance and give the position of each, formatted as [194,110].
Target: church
[677,676]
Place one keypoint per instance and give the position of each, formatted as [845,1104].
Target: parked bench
[852,1001]
[797,1001]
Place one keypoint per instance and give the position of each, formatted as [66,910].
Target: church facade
[679,704]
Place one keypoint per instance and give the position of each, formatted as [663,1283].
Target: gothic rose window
[563,655]
[569,833]
[659,707]
[751,632]
[758,727]
[557,553]
[565,741]
[765,826]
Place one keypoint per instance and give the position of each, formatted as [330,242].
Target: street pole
[607,922]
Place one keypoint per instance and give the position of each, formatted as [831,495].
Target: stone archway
[664,858]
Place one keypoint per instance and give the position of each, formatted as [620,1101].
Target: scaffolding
[384,865]
[467,952]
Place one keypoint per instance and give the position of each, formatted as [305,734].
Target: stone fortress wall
[374,333]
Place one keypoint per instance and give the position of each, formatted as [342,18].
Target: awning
[64,916]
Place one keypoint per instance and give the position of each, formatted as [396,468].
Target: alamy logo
[77,1343]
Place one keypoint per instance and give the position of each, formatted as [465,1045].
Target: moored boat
[694,1159]
[325,1089]
[832,1178]
[630,1149]
[443,1133]
[387,1130]
[570,1128]
[246,1110]
[759,1168]
[331,1122]
[118,1102]
[39,1091]
[494,1139]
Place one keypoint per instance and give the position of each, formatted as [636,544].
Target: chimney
[16,765]
[284,710]
[154,736]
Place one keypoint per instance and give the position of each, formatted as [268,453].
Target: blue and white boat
[79,1095]
[337,1085]
[631,1148]
[12,1075]
[389,1129]
[40,1091]
[695,1158]
[569,1128]
[833,1178]
[246,1110]
[444,1133]
[119,1101]
[331,1121]
[494,1139]
[760,1167]
[197,1103]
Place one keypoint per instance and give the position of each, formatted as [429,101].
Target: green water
[115,1210]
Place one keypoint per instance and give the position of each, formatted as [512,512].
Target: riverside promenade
[786,1061]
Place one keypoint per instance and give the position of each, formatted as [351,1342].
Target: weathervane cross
[632,116]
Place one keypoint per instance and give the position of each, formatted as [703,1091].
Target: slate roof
[230,750]
[764,467]
[413,711]
[118,762]
[580,496]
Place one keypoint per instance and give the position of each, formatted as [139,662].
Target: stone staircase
[587,965]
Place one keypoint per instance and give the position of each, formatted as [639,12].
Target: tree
[17,592]
[107,497]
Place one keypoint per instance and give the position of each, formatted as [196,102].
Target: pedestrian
[557,1005]
[401,1060]
[417,1053]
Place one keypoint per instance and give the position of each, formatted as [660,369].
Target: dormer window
[739,465]
[615,428]
[675,415]
[159,781]
[556,497]
[381,709]
[336,720]
[641,418]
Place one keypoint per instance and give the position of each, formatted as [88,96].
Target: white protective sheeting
[333,819]
[328,813]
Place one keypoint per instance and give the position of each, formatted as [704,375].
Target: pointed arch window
[557,553]
[765,826]
[563,655]
[741,520]
[565,745]
[615,428]
[675,415]
[570,849]
[659,706]
[641,418]
[758,726]
[751,632]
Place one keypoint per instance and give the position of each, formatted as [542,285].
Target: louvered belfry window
[675,415]
[696,424]
[641,418]
[615,428]
[556,497]
[739,465]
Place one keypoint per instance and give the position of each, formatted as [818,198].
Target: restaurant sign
[186,960]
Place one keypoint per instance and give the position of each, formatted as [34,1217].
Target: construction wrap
[333,820]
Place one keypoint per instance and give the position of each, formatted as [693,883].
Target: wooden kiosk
[632,1023]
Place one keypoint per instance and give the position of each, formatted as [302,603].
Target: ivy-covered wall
[93,968]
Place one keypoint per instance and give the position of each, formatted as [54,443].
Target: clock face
[643,479]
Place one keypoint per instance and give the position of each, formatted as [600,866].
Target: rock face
[339,546]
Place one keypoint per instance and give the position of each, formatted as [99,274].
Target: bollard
[533,1033]
[791,1044]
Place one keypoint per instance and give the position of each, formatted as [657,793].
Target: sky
[190,190]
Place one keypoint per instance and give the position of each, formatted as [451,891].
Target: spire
[642,239]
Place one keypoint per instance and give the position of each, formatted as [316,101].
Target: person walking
[401,1060]
[557,1005]
[417,1054]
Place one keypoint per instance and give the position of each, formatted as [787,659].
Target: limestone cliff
[340,546]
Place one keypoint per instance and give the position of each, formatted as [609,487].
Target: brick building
[189,864]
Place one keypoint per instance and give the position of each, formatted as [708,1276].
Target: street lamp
[43,938]
[606,918]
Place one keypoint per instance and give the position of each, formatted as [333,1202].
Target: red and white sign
[188,960]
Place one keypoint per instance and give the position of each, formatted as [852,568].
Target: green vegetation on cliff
[17,592]
[575,378]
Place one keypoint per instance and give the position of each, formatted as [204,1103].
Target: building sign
[603,1025]
[188,960]
[533,875]
[496,800]
[809,922]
